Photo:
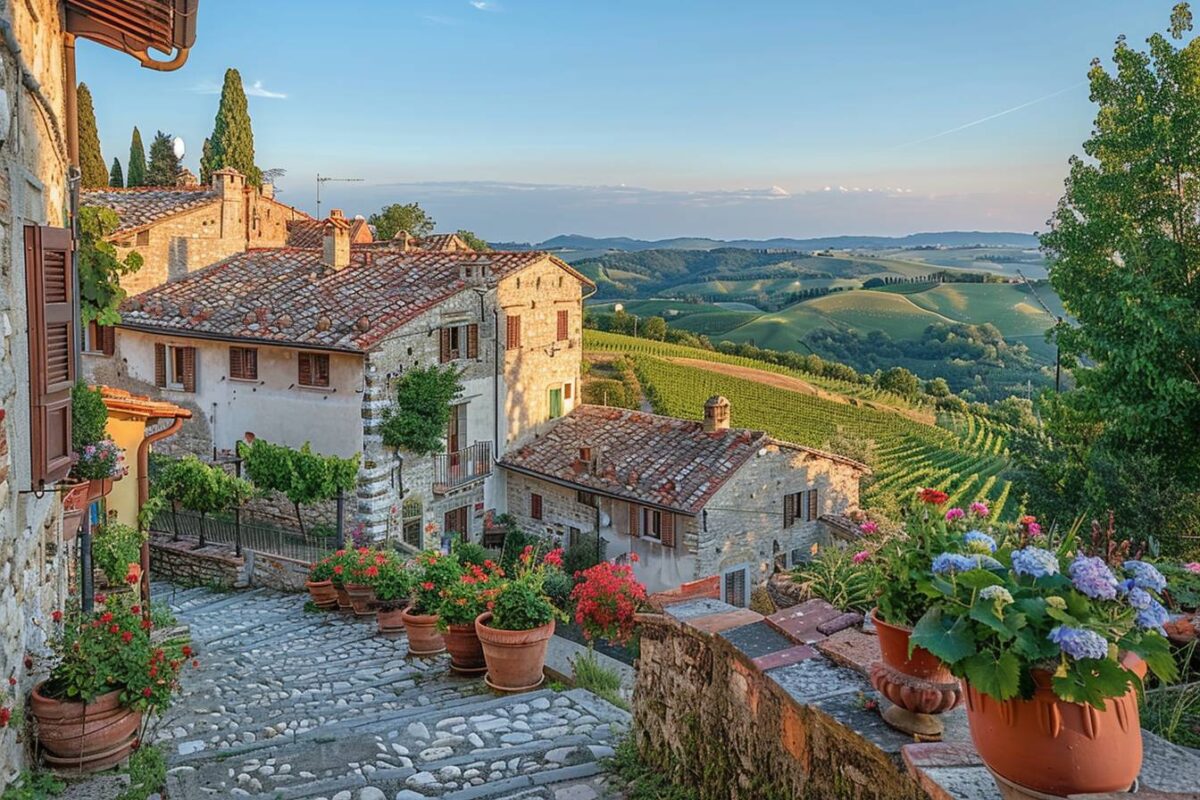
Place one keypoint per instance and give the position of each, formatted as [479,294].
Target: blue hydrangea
[979,542]
[1146,576]
[1139,599]
[952,562]
[1035,562]
[1092,576]
[1153,617]
[1079,643]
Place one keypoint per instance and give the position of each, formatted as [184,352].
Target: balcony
[461,467]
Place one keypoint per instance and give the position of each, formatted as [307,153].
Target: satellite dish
[177,145]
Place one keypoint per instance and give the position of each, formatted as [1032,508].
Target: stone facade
[214,565]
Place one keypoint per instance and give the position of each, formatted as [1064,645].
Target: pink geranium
[980,509]
[868,528]
[955,513]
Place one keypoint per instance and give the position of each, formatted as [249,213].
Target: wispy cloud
[991,117]
[255,89]
[485,5]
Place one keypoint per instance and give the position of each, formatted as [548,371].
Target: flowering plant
[337,566]
[606,599]
[1026,609]
[391,579]
[433,572]
[467,598]
[521,604]
[110,649]
[114,548]
[102,459]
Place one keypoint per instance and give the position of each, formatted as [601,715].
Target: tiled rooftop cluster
[142,206]
[309,233]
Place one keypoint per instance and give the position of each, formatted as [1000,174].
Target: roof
[443,242]
[145,205]
[120,401]
[311,232]
[288,296]
[647,458]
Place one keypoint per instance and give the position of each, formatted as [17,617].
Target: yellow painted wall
[128,434]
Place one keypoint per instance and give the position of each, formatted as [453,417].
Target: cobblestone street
[288,704]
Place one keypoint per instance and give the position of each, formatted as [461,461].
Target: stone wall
[181,562]
[276,572]
[719,707]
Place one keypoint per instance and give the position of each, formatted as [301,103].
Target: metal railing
[238,534]
[460,467]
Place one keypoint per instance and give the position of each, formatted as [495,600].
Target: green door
[555,403]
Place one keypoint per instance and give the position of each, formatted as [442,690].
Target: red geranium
[56,615]
[935,497]
[606,599]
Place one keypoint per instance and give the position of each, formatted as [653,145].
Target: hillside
[577,242]
[963,455]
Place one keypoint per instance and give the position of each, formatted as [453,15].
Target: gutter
[185,333]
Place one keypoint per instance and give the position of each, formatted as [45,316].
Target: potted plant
[393,583]
[462,602]
[363,566]
[1052,645]
[433,572]
[320,583]
[339,572]
[607,598]
[98,460]
[107,678]
[116,552]
[75,503]
[516,629]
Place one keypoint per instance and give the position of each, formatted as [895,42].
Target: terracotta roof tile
[310,232]
[286,295]
[641,457]
[143,206]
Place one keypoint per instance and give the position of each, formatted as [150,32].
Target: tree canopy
[116,179]
[137,161]
[473,241]
[100,270]
[91,160]
[164,165]
[395,218]
[232,141]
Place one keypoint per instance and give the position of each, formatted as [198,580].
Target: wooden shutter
[789,510]
[50,289]
[160,364]
[735,588]
[812,504]
[563,325]
[321,369]
[635,519]
[566,391]
[473,341]
[108,339]
[251,362]
[304,364]
[189,369]
[444,347]
[535,506]
[237,362]
[513,332]
[668,529]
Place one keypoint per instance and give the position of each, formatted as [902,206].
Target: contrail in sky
[991,117]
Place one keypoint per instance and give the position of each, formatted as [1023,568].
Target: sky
[522,119]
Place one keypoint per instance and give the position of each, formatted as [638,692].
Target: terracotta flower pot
[75,503]
[84,738]
[322,593]
[343,598]
[515,659]
[466,653]
[390,616]
[99,487]
[362,598]
[919,685]
[1056,747]
[423,636]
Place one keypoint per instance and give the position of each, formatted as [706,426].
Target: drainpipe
[496,386]
[143,494]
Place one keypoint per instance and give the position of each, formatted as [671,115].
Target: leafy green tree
[303,476]
[100,270]
[164,165]
[653,328]
[395,218]
[937,387]
[202,488]
[116,179]
[206,167]
[232,141]
[417,419]
[473,241]
[1124,255]
[91,160]
[899,380]
[137,161]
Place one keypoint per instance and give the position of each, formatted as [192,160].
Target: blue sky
[521,119]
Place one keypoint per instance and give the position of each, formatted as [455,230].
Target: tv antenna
[324,179]
[1042,303]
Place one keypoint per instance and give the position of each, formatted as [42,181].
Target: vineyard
[964,456]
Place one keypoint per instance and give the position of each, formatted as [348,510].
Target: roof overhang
[133,406]
[138,26]
[583,487]
[189,333]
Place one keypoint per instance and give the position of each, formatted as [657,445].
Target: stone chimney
[228,181]
[336,243]
[405,241]
[230,186]
[716,414]
[584,461]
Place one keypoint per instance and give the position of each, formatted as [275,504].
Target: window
[801,506]
[175,367]
[456,523]
[566,391]
[733,587]
[556,402]
[49,282]
[652,523]
[143,238]
[314,369]
[563,325]
[587,499]
[535,506]
[243,363]
[411,519]
[101,339]
[512,326]
[459,341]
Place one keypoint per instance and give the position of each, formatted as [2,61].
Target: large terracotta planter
[515,659]
[343,598]
[99,487]
[390,616]
[75,503]
[1059,748]
[322,593]
[423,636]
[362,598]
[84,738]
[919,685]
[466,653]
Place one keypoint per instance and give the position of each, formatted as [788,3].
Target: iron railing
[460,467]
[238,534]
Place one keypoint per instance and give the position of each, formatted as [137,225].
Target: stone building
[38,313]
[297,344]
[690,499]
[180,229]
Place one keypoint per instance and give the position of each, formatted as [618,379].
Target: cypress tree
[164,166]
[206,167]
[232,138]
[137,161]
[116,178]
[91,161]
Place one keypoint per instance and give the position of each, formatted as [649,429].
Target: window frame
[254,358]
[651,524]
[537,507]
[563,325]
[175,367]
[318,358]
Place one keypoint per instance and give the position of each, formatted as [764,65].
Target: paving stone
[851,648]
[800,623]
[849,619]
[782,658]
[715,623]
[757,639]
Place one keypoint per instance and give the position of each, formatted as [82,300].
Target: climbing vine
[416,420]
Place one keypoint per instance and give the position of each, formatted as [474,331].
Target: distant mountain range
[570,242]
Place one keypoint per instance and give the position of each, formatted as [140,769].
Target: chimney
[228,182]
[405,241]
[267,190]
[583,463]
[716,414]
[336,243]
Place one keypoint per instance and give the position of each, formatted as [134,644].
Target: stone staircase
[288,705]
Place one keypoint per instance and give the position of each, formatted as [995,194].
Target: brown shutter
[563,325]
[535,506]
[812,504]
[108,339]
[160,364]
[250,360]
[566,391]
[473,341]
[237,363]
[513,332]
[668,529]
[189,369]
[635,518]
[789,510]
[304,362]
[50,287]
[444,349]
[321,376]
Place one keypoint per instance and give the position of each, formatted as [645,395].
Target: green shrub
[89,416]
[557,584]
[147,773]
[33,786]
[114,548]
[833,576]
[590,674]
[416,421]
[586,554]
[471,553]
